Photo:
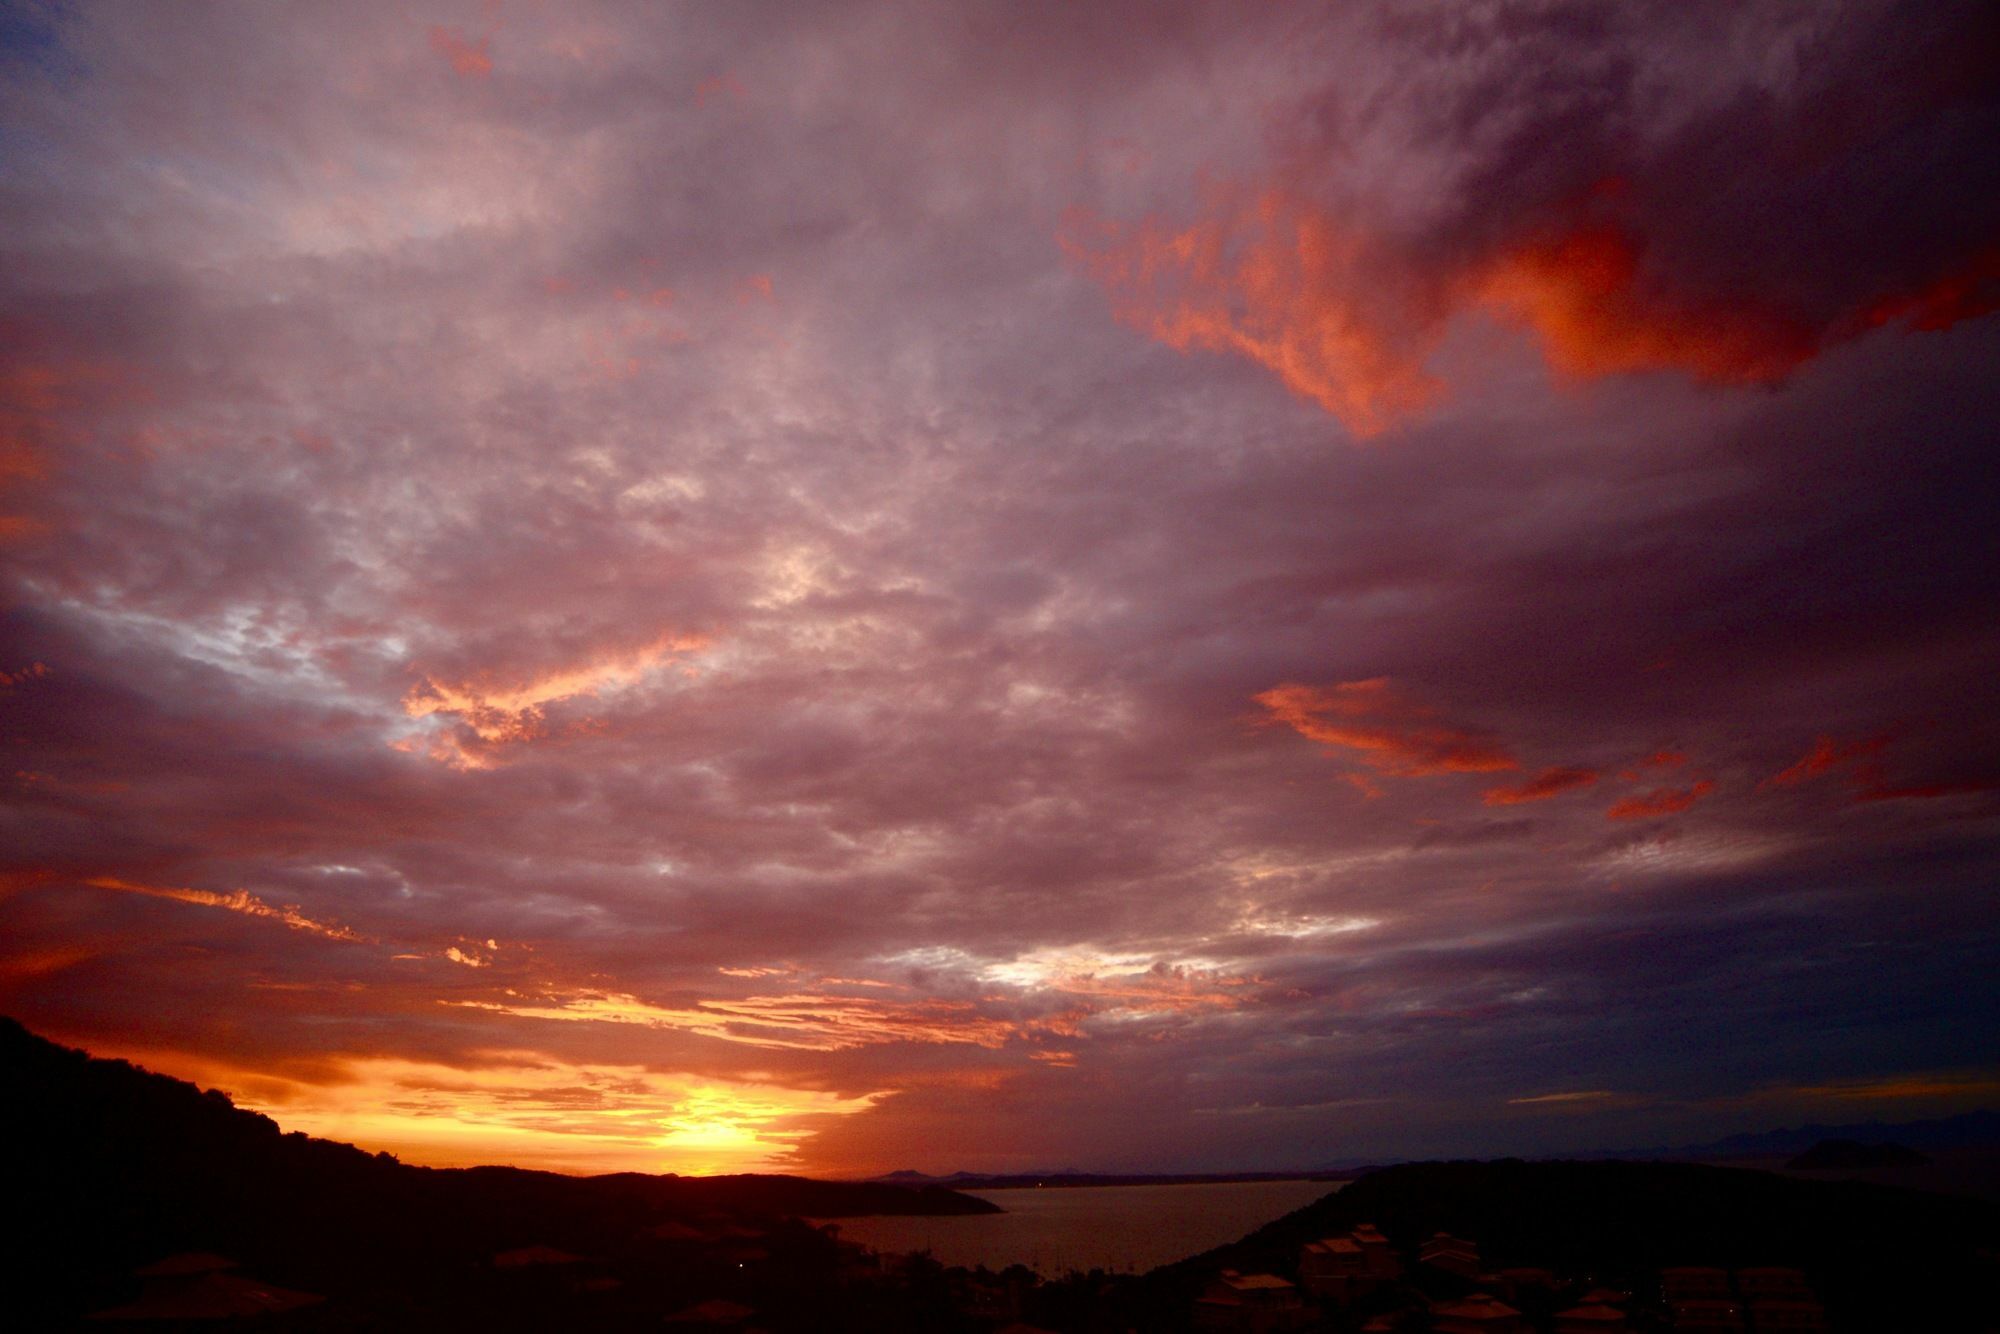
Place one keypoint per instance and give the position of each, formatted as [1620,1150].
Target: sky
[857,586]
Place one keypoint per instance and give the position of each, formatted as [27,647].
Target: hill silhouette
[109,1167]
[1847,1154]
[1881,1257]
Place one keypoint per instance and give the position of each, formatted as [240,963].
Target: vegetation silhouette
[109,1167]
[1882,1258]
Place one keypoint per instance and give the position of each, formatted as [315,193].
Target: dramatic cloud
[1659,801]
[1616,227]
[1548,783]
[1388,730]
[240,901]
[612,585]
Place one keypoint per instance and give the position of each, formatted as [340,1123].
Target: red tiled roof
[1478,1307]
[714,1311]
[212,1296]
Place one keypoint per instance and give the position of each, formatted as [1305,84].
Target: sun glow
[534,1111]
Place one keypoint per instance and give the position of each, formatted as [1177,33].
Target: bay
[1053,1230]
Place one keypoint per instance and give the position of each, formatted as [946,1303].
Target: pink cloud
[469,57]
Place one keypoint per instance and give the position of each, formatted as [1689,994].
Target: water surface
[1053,1230]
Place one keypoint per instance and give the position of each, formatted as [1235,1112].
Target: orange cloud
[1582,294]
[1123,986]
[1826,756]
[502,711]
[1954,1084]
[1585,1095]
[1861,762]
[1346,317]
[1966,293]
[1927,791]
[1660,801]
[470,58]
[1548,783]
[1275,280]
[794,1022]
[34,396]
[1659,759]
[1388,731]
[242,901]
[718,85]
[28,673]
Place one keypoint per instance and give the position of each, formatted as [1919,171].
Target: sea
[1129,1229]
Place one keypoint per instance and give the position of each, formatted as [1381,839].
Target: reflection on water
[1131,1228]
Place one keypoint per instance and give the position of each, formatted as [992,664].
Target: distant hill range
[1846,1155]
[107,1167]
[1965,1131]
[1969,1130]
[1073,1177]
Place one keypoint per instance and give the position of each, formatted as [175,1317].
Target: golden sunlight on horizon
[527,1110]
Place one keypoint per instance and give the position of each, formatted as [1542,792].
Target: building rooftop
[1257,1281]
[1340,1244]
[211,1296]
[1479,1306]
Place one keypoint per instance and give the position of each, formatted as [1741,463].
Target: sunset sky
[1005,586]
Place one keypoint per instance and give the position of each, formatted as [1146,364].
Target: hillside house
[1251,1304]
[1481,1313]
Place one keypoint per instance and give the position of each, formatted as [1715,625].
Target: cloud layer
[1004,586]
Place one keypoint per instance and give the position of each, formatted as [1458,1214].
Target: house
[1772,1281]
[1382,1261]
[1694,1283]
[1710,1313]
[1480,1313]
[1592,1318]
[1251,1304]
[1514,1282]
[1337,1269]
[1454,1255]
[197,1286]
[715,1313]
[1788,1313]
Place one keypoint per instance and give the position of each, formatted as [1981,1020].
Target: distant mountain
[1852,1155]
[108,1166]
[1967,1130]
[1072,1177]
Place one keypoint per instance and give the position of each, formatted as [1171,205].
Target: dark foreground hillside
[1882,1259]
[107,1167]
